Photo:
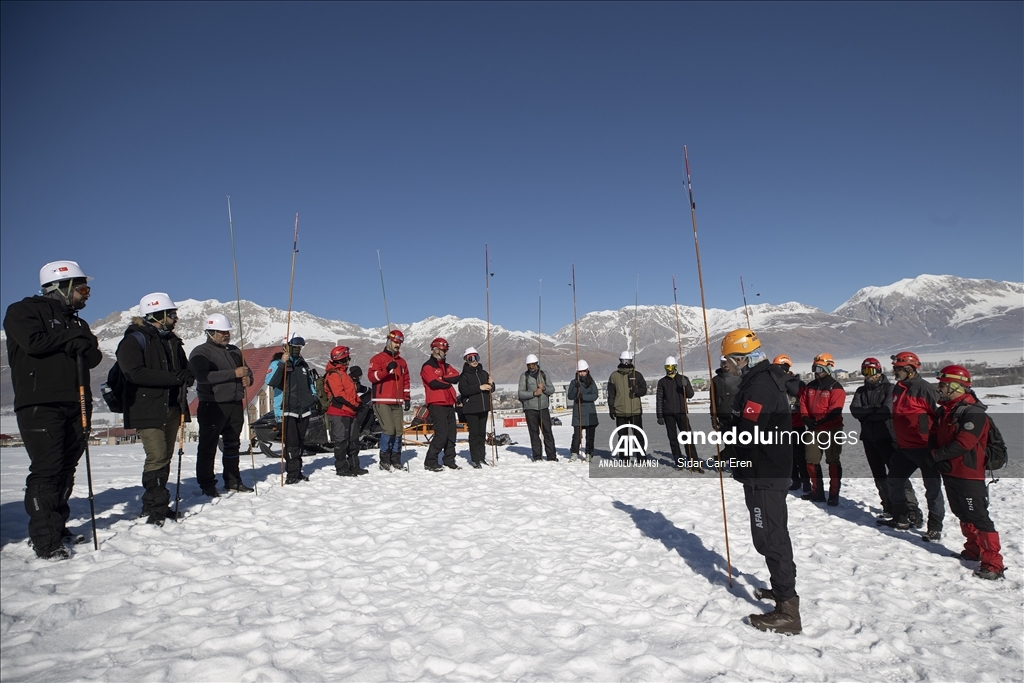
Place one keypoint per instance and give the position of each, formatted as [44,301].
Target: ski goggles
[473,358]
[870,371]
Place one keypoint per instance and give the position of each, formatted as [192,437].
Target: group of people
[906,426]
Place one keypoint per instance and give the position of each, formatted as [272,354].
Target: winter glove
[79,346]
[944,466]
[186,377]
[407,405]
[611,412]
[661,420]
[391,366]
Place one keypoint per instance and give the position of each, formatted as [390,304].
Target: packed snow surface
[526,571]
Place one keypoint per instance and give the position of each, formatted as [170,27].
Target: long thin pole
[579,385]
[540,298]
[707,346]
[241,338]
[679,334]
[181,452]
[636,317]
[85,436]
[287,341]
[387,316]
[487,296]
[745,309]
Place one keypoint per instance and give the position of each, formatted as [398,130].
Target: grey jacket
[583,402]
[214,366]
[528,385]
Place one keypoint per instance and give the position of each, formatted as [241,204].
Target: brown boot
[785,618]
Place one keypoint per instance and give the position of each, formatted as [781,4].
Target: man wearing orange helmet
[438,377]
[959,437]
[821,409]
[389,380]
[764,464]
[914,405]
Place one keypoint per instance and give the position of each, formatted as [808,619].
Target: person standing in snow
[475,387]
[152,360]
[534,393]
[958,440]
[794,386]
[872,406]
[764,470]
[341,413]
[438,377]
[723,389]
[47,347]
[389,379]
[821,409]
[673,391]
[221,379]
[914,405]
[583,392]
[365,400]
[625,387]
[299,400]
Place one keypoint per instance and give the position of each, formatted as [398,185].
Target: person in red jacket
[389,379]
[341,413]
[438,377]
[958,438]
[914,402]
[821,409]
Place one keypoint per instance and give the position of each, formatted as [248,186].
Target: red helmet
[905,358]
[339,353]
[871,366]
[955,373]
[396,336]
[439,343]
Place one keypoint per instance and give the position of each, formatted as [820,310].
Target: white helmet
[581,366]
[55,271]
[532,358]
[626,355]
[671,360]
[156,302]
[469,351]
[218,322]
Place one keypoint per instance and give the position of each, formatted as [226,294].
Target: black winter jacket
[474,401]
[42,371]
[670,395]
[214,366]
[872,405]
[153,387]
[761,401]
[725,387]
[301,400]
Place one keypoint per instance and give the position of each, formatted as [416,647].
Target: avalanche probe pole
[746,310]
[487,295]
[85,435]
[579,385]
[679,343]
[540,298]
[287,340]
[387,317]
[707,346]
[181,452]
[241,341]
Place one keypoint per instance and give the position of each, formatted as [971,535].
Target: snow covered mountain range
[928,313]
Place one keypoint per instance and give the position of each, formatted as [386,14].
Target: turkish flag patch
[751,411]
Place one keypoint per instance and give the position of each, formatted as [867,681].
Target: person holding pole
[764,467]
[298,401]
[625,387]
[475,387]
[45,342]
[389,380]
[674,389]
[534,393]
[583,392]
[221,379]
[152,359]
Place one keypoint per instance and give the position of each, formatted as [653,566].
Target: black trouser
[675,423]
[589,431]
[636,420]
[477,423]
[445,430]
[294,429]
[218,421]
[902,464]
[345,440]
[800,474]
[538,422]
[55,441]
[769,528]
[968,500]
[879,454]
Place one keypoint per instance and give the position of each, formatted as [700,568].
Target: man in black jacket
[221,379]
[674,389]
[723,388]
[153,362]
[764,465]
[293,376]
[47,344]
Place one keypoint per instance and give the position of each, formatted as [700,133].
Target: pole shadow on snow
[707,563]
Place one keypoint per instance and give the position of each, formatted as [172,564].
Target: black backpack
[995,451]
[113,390]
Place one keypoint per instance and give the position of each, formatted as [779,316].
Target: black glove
[661,420]
[611,412]
[407,405]
[391,366]
[944,466]
[451,380]
[79,346]
[186,377]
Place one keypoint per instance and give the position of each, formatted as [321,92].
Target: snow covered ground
[528,571]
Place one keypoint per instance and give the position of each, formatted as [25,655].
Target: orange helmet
[782,359]
[825,360]
[904,358]
[741,341]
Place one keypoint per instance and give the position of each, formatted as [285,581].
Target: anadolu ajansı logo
[624,442]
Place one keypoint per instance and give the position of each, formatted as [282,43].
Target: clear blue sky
[832,146]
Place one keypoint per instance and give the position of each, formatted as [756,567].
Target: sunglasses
[82,289]
[473,358]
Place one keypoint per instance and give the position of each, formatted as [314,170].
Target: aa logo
[624,441]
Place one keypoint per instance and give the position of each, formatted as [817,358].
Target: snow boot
[384,460]
[342,465]
[989,574]
[764,594]
[785,618]
[354,466]
[817,494]
[835,478]
[238,487]
[396,460]
[211,491]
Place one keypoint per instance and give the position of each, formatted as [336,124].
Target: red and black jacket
[914,405]
[438,391]
[959,436]
[821,404]
[389,387]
